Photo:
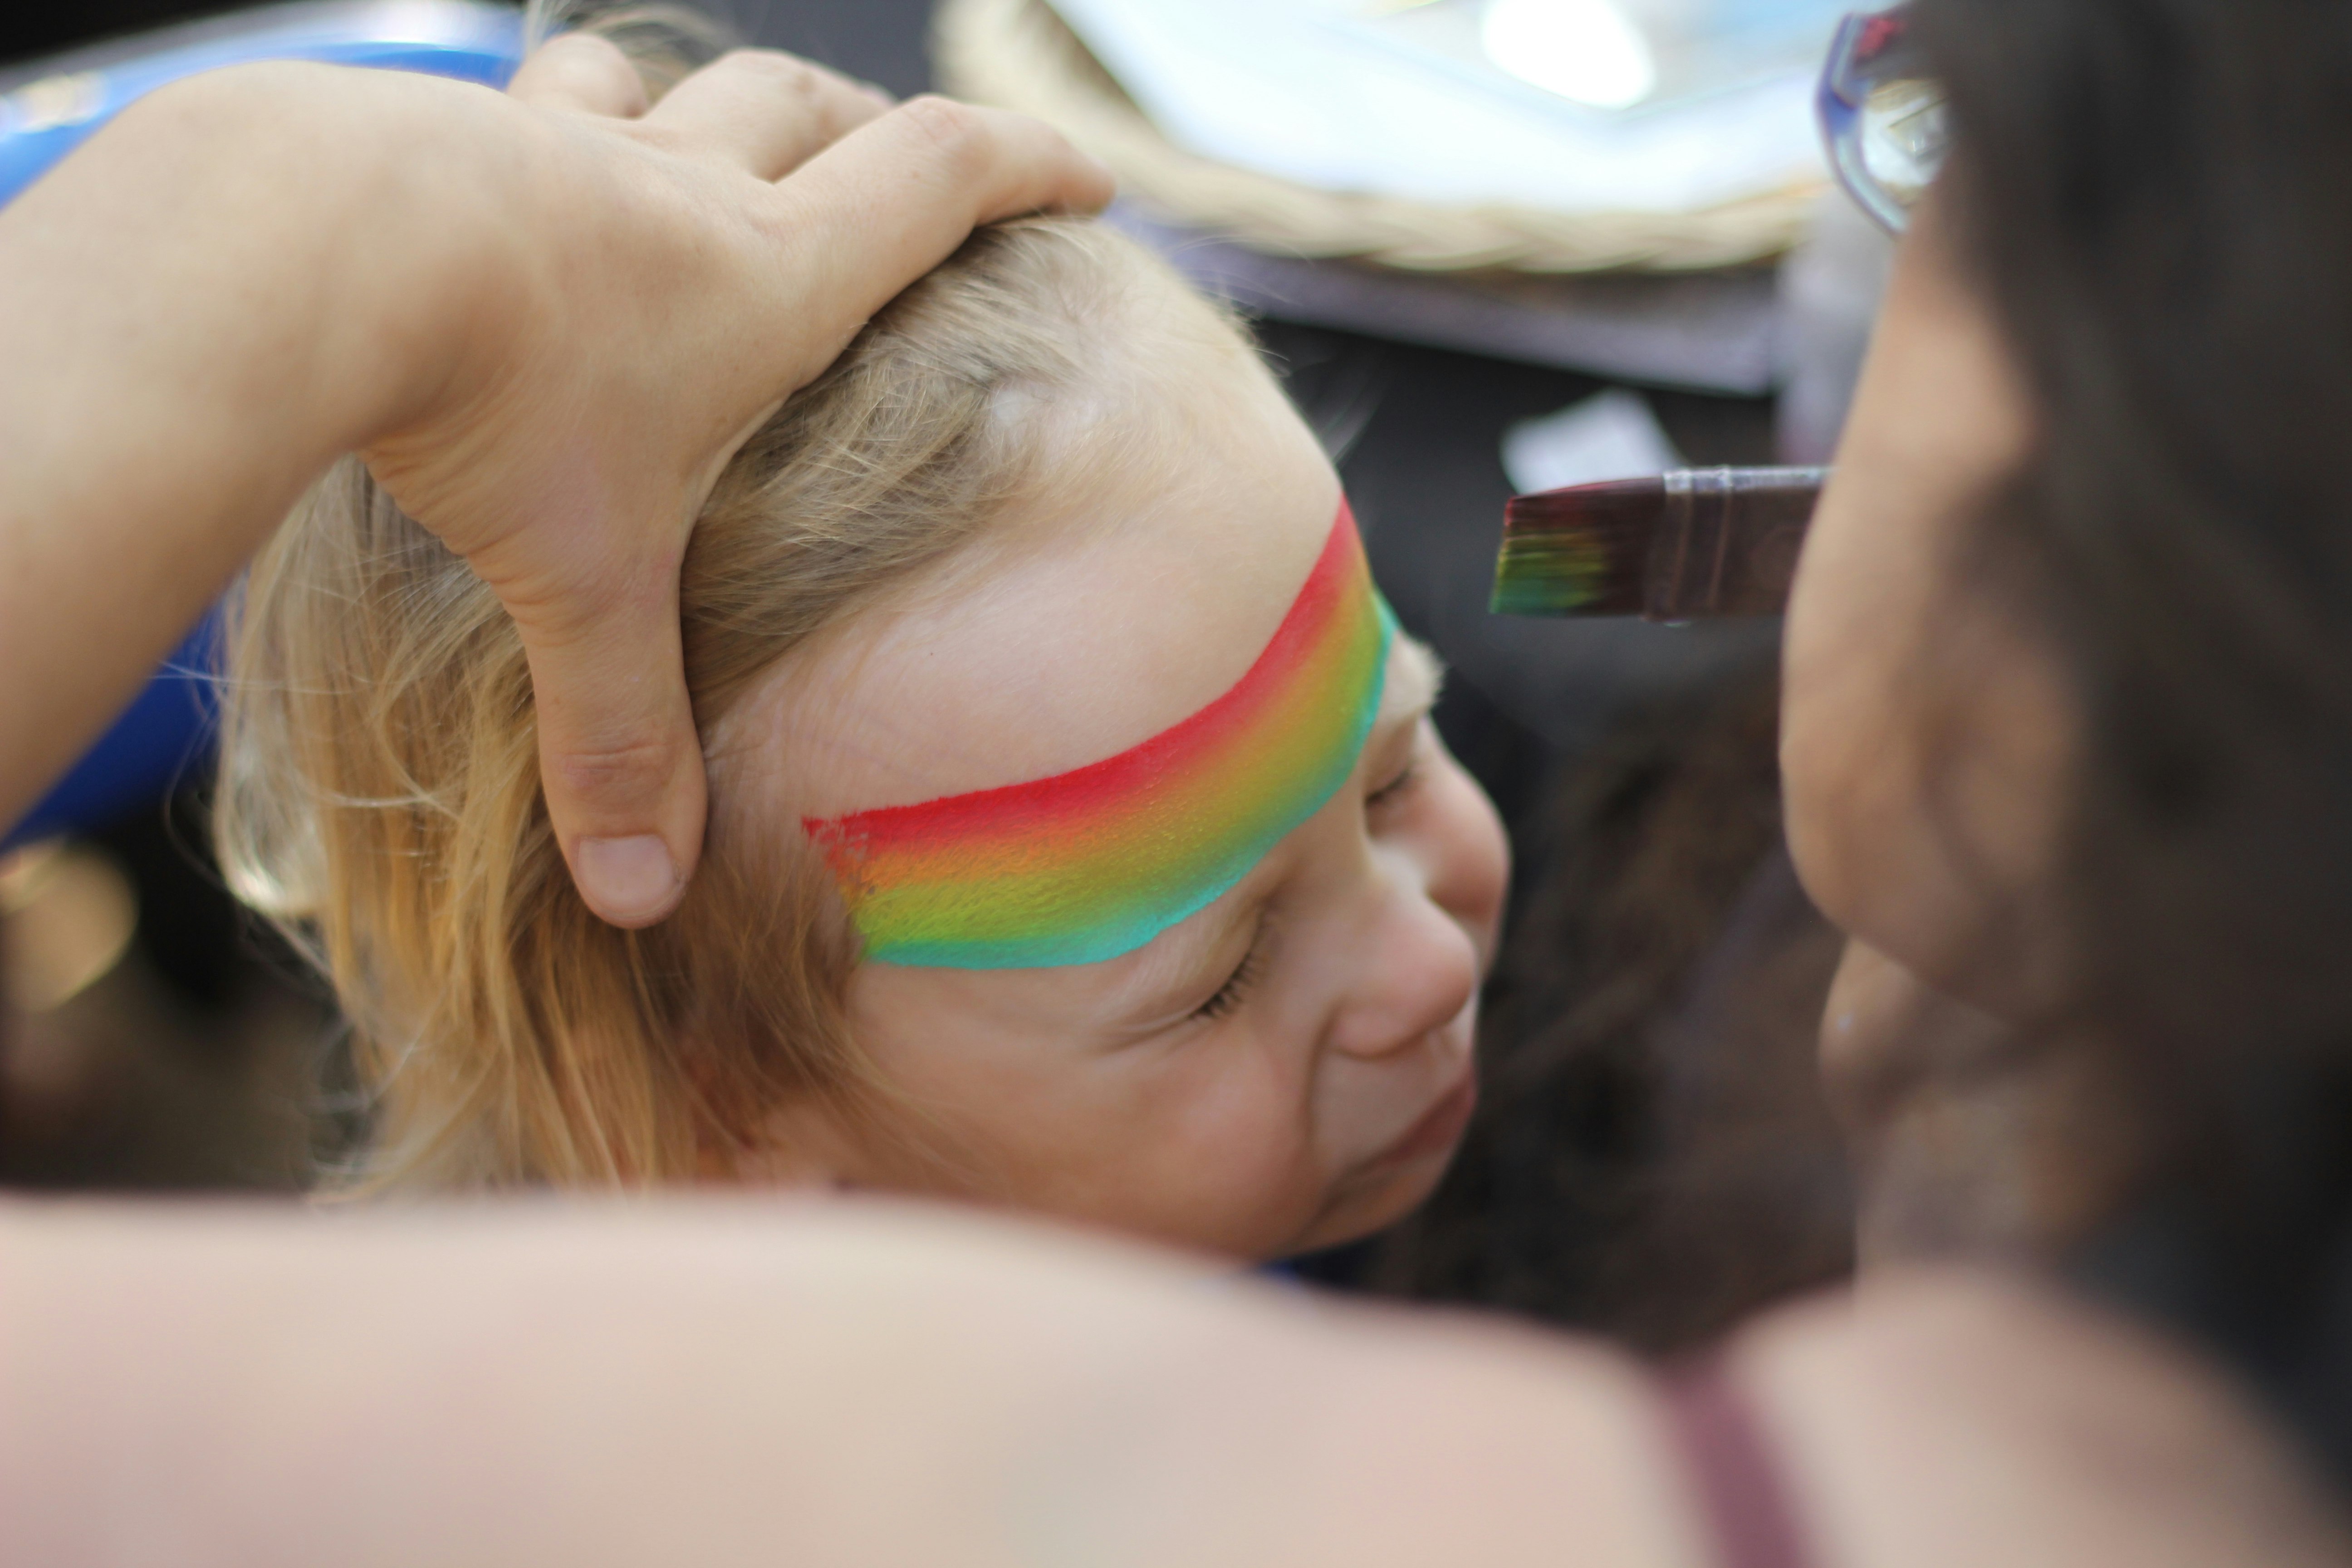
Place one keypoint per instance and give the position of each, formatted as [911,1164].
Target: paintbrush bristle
[1583,551]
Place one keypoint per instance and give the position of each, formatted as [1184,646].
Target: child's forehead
[1180,409]
[1033,662]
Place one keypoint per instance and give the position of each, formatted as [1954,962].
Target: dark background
[878,41]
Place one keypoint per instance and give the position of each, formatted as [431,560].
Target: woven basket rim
[1018,53]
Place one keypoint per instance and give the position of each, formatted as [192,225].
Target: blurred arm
[197,313]
[773,1383]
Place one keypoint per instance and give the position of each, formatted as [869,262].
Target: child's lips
[1440,1127]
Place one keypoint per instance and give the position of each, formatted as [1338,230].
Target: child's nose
[1416,970]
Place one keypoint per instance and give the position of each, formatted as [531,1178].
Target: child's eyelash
[1397,785]
[1237,985]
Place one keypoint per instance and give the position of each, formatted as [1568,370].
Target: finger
[619,757]
[892,199]
[582,71]
[764,111]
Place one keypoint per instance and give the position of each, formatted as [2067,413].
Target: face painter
[1091,864]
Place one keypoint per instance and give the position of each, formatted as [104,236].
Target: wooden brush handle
[1728,544]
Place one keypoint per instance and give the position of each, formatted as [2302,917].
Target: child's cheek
[1242,1146]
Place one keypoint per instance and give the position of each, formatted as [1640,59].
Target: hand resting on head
[547,323]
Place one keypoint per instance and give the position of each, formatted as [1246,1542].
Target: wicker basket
[1017,54]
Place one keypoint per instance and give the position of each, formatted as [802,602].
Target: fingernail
[627,878]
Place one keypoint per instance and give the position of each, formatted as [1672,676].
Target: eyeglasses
[1883,115]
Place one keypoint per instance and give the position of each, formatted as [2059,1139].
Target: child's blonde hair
[379,781]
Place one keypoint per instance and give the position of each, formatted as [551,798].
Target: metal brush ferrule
[1728,542]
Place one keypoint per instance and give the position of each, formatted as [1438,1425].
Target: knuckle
[771,68]
[957,132]
[580,61]
[626,767]
[559,614]
[581,48]
[577,586]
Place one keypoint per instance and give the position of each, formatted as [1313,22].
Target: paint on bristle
[1091,864]
[1578,551]
[1550,575]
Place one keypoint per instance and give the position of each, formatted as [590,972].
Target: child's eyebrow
[1416,674]
[1187,966]
[1182,965]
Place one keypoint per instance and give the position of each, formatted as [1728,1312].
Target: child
[1079,839]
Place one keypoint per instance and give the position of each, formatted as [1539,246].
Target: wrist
[244,276]
[341,222]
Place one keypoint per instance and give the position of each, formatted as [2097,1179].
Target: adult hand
[676,273]
[546,319]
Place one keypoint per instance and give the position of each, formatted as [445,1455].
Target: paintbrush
[1685,546]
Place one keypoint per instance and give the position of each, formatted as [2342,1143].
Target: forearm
[779,1383]
[198,311]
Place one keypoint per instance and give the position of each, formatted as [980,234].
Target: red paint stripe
[1066,800]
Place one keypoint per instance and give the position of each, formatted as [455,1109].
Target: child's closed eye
[1237,985]
[1398,786]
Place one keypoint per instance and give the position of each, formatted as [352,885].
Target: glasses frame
[1866,43]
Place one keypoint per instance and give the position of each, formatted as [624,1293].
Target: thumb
[619,758]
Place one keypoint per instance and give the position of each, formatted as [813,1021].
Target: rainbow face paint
[1091,864]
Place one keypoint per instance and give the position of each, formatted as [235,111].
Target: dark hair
[1652,1159]
[2156,196]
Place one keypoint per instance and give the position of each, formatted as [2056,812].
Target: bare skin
[1926,734]
[1964,1144]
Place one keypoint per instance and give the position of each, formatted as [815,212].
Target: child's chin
[1376,1208]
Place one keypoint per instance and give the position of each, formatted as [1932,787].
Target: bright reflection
[1584,50]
